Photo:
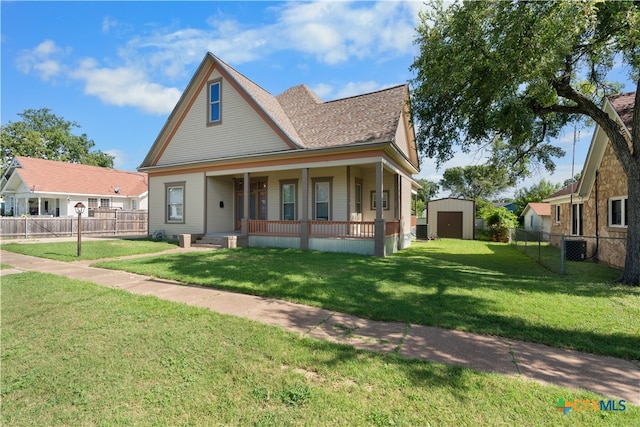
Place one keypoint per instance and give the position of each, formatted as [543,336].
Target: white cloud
[336,32]
[126,87]
[147,65]
[45,60]
[108,23]
[323,90]
[357,88]
[120,158]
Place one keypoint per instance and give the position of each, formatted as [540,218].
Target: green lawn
[91,249]
[475,286]
[74,353]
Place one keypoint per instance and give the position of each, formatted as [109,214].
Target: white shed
[452,218]
[537,217]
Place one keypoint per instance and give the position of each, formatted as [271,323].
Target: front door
[257,200]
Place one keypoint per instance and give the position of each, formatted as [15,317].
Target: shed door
[450,225]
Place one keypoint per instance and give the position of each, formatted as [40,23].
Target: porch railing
[345,229]
[359,229]
[274,228]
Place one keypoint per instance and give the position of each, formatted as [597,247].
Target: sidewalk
[610,377]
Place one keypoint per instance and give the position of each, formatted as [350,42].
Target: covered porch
[344,208]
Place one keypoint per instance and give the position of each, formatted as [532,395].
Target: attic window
[214,110]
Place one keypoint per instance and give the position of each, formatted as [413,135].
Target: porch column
[39,206]
[379,245]
[244,221]
[304,219]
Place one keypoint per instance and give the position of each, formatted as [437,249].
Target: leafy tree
[428,191]
[509,75]
[476,181]
[41,134]
[536,193]
[569,181]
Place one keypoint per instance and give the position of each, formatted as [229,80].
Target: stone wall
[611,181]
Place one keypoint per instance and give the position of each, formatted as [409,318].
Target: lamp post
[79,207]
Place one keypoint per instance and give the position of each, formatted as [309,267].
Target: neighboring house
[46,187]
[596,207]
[452,218]
[233,161]
[510,206]
[537,217]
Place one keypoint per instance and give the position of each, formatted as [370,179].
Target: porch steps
[216,241]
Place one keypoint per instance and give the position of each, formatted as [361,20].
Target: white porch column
[379,245]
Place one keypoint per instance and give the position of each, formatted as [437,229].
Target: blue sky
[118,68]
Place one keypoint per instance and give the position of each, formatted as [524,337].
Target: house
[234,162]
[537,217]
[594,209]
[510,206]
[46,187]
[452,218]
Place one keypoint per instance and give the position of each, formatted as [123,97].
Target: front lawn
[91,249]
[74,353]
[476,286]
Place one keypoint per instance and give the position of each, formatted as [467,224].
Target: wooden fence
[110,222]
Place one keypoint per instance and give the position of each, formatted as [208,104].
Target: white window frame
[623,211]
[179,207]
[558,218]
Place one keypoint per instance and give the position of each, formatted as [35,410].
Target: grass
[74,353]
[483,287]
[91,249]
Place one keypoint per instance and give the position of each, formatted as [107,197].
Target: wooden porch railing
[359,229]
[274,228]
[353,229]
[392,228]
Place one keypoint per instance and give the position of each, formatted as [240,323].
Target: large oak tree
[44,135]
[508,75]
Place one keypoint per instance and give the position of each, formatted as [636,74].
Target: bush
[499,220]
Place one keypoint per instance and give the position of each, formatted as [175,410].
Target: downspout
[595,253]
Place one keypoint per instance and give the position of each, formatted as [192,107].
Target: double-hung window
[175,202]
[322,199]
[288,197]
[618,212]
[214,110]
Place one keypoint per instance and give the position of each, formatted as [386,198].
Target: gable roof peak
[623,104]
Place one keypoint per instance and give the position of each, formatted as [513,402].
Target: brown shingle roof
[363,118]
[312,123]
[571,188]
[50,176]
[623,104]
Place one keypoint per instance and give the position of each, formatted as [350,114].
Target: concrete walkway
[610,377]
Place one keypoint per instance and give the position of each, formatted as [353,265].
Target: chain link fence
[557,252]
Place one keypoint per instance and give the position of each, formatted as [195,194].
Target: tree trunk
[631,275]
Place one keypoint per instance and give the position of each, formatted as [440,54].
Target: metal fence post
[539,245]
[562,256]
